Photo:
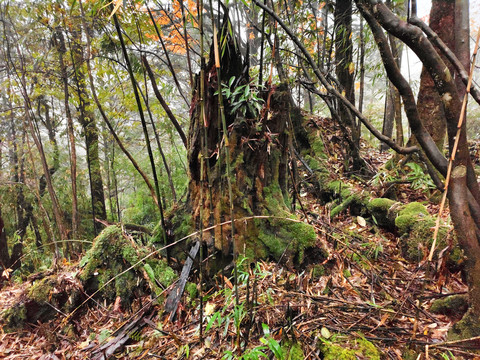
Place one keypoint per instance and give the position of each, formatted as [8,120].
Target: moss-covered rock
[410,215]
[468,327]
[454,306]
[40,300]
[418,239]
[14,318]
[379,208]
[348,349]
[113,266]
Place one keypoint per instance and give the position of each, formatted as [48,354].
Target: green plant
[415,175]
[250,354]
[447,356]
[373,249]
[242,98]
[272,344]
[419,179]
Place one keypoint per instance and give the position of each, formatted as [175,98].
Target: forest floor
[364,293]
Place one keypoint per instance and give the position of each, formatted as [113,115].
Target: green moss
[41,290]
[318,147]
[105,243]
[163,273]
[379,209]
[368,350]
[359,348]
[318,271]
[191,290]
[335,186]
[409,215]
[380,205]
[112,254]
[280,236]
[273,243]
[455,305]
[313,163]
[466,328]
[420,237]
[14,317]
[130,254]
[292,351]
[344,205]
[125,286]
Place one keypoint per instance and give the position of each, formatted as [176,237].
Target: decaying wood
[124,334]
[173,299]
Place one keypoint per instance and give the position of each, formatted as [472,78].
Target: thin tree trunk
[55,204]
[388,114]
[169,62]
[90,129]
[61,48]
[187,47]
[159,145]
[462,39]
[362,71]
[142,119]
[104,116]
[164,104]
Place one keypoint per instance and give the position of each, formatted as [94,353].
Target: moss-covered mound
[277,237]
[409,216]
[115,268]
[40,300]
[415,227]
[454,306]
[466,328]
[379,208]
[337,348]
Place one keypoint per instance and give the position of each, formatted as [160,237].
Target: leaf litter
[365,289]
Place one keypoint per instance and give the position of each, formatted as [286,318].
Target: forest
[239,179]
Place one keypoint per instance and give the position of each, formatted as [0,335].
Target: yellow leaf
[351,68]
[209,309]
[6,273]
[361,221]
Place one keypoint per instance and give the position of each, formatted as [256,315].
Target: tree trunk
[90,130]
[61,48]
[393,107]
[258,148]
[345,69]
[430,108]
[4,255]
[462,190]
[389,114]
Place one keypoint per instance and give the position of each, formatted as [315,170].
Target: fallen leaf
[209,309]
[361,221]
[325,332]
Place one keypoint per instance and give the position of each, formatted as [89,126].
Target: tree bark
[61,48]
[90,131]
[4,255]
[430,108]
[258,148]
[344,66]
